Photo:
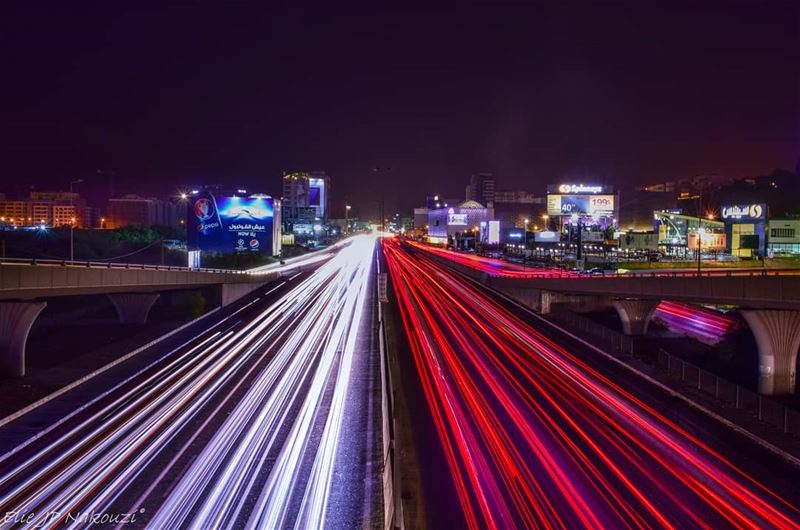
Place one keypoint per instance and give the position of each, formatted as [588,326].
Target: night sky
[535,93]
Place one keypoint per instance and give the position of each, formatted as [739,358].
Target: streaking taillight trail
[535,437]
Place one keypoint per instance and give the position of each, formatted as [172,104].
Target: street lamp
[72,224]
[346,218]
[525,239]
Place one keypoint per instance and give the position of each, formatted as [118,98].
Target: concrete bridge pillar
[132,308]
[16,319]
[777,335]
[635,314]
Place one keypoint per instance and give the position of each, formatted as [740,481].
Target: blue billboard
[230,224]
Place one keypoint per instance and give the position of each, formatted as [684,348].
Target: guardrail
[110,265]
[392,505]
[612,339]
[653,274]
[764,409]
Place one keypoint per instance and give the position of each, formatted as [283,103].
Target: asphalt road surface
[264,419]
[537,430]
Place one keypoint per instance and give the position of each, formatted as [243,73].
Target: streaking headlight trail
[267,463]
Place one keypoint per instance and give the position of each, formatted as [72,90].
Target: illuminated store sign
[456,219]
[747,211]
[579,188]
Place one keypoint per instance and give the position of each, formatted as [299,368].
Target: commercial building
[306,197]
[463,225]
[784,237]
[746,229]
[481,189]
[679,234]
[133,210]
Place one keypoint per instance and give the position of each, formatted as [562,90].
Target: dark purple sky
[623,92]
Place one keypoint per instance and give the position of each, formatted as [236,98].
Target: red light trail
[494,267]
[535,437]
[704,324]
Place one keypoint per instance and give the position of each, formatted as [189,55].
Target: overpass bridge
[132,289]
[769,303]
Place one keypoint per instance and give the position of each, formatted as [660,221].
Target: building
[511,208]
[65,215]
[784,237]
[678,234]
[91,217]
[460,224]
[13,212]
[306,197]
[746,229]
[47,209]
[637,207]
[481,189]
[514,197]
[133,210]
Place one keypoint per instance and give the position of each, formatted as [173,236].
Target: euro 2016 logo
[203,209]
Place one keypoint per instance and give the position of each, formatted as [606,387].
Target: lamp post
[525,240]
[699,231]
[72,222]
[346,218]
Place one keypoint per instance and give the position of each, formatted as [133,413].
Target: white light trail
[305,383]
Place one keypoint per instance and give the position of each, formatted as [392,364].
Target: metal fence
[764,409]
[611,339]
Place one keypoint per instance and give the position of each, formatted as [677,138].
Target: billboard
[494,233]
[546,237]
[317,196]
[595,205]
[230,224]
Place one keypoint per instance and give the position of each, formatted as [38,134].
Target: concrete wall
[36,281]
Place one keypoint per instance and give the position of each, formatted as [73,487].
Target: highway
[252,423]
[505,269]
[536,432]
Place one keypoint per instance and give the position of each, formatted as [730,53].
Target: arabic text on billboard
[230,224]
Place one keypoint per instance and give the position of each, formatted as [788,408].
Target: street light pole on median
[72,221]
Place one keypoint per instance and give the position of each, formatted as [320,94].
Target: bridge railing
[764,409]
[533,274]
[110,265]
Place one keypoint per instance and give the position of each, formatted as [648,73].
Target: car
[594,271]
